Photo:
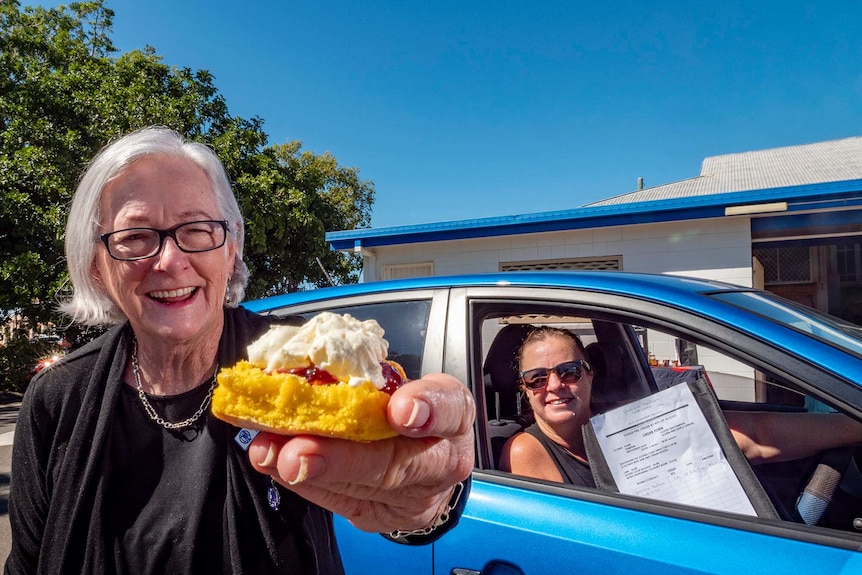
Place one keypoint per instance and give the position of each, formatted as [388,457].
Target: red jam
[314,375]
[392,377]
[317,376]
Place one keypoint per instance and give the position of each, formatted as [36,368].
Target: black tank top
[573,470]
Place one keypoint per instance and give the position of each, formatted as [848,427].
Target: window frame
[680,323]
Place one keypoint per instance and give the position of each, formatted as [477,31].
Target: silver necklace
[136,370]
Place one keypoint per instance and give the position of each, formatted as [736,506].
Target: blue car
[644,334]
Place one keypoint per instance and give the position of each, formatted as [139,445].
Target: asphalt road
[8,416]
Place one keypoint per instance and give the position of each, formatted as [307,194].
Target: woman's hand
[382,486]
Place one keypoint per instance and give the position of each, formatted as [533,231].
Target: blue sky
[461,110]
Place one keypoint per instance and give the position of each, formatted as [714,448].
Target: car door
[414,325]
[518,525]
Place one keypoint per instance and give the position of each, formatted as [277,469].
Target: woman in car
[557,377]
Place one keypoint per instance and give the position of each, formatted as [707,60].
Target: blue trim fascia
[805,242]
[827,219]
[829,195]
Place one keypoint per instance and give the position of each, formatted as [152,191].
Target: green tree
[64,93]
[291,199]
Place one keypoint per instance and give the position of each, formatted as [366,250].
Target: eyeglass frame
[582,367]
[167,233]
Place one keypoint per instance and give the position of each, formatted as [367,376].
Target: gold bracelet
[439,521]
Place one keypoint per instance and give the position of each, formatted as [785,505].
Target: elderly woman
[118,466]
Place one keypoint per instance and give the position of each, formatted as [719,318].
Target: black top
[182,496]
[99,488]
[573,470]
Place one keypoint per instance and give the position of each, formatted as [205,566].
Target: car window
[742,387]
[405,324]
[634,360]
[736,384]
[833,330]
[612,346]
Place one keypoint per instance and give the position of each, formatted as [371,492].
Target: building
[788,219]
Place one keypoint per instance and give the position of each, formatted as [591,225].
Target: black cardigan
[57,486]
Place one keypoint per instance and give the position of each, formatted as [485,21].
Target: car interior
[632,361]
[611,356]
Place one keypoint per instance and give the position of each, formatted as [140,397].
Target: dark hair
[544,332]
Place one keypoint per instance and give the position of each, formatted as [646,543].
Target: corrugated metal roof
[832,161]
[827,195]
[821,176]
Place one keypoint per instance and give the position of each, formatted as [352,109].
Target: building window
[605,263]
[785,265]
[846,260]
[403,271]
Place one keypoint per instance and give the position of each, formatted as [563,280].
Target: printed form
[662,447]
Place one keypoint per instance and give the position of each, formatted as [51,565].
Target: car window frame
[682,323]
[433,352]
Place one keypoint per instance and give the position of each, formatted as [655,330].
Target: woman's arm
[28,498]
[767,436]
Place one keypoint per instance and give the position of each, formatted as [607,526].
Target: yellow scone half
[284,403]
[329,376]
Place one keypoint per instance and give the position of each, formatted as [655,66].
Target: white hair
[89,304]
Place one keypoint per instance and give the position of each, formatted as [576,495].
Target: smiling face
[173,297]
[560,408]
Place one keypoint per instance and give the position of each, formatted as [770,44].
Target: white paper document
[662,447]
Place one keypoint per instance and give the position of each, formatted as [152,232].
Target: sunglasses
[568,372]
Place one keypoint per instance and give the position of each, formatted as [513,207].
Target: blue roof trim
[810,220]
[806,197]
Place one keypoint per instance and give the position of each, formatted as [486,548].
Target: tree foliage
[295,196]
[65,92]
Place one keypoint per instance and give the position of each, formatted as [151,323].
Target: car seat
[500,370]
[612,376]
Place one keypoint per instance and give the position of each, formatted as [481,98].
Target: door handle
[494,567]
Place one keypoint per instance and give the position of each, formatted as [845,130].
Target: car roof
[658,286]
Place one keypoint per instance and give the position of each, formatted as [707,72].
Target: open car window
[634,360]
[737,384]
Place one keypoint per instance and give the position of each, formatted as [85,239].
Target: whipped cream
[349,349]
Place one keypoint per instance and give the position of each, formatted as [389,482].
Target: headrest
[501,363]
[596,357]
[610,379]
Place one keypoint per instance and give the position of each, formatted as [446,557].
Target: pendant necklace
[136,370]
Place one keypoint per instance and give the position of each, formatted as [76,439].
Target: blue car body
[513,524]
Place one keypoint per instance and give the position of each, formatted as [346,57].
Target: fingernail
[419,415]
[310,466]
[271,456]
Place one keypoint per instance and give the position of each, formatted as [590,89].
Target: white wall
[718,248]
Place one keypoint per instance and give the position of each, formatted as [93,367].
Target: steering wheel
[832,496]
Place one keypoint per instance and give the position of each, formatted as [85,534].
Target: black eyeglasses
[142,243]
[568,372]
